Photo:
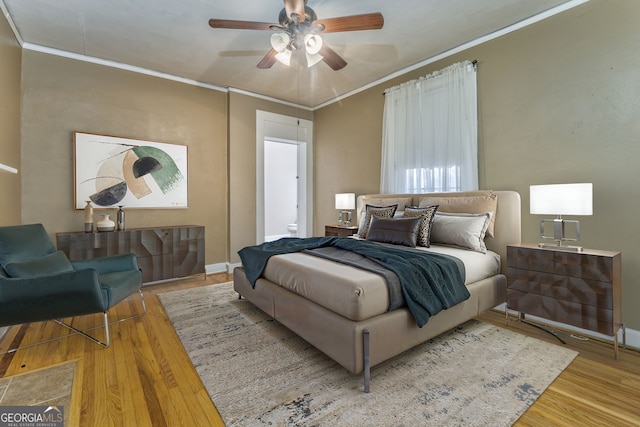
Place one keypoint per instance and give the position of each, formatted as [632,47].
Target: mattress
[354,293]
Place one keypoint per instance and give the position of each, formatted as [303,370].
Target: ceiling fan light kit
[284,57]
[299,29]
[279,41]
[312,43]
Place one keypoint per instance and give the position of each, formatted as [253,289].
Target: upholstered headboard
[507,218]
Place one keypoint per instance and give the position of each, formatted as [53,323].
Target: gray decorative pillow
[56,262]
[460,229]
[427,214]
[398,231]
[377,211]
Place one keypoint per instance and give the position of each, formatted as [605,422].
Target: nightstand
[340,230]
[582,289]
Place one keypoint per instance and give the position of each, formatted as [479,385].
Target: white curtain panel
[430,133]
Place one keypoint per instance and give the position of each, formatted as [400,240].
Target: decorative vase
[120,218]
[106,223]
[88,217]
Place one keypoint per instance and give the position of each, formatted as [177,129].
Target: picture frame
[114,171]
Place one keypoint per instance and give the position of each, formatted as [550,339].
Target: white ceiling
[173,38]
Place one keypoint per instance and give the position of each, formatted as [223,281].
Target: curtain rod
[474,63]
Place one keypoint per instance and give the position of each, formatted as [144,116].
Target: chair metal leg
[144,311]
[84,331]
[84,334]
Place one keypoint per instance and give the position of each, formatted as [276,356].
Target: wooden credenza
[162,252]
[583,289]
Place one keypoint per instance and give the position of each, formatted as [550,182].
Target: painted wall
[10,68]
[559,102]
[348,152]
[63,95]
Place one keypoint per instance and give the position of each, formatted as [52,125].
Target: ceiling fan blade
[240,25]
[333,60]
[294,6]
[268,60]
[367,21]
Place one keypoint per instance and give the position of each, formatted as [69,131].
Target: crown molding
[119,65]
[269,98]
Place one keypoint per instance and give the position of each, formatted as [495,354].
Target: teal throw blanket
[430,282]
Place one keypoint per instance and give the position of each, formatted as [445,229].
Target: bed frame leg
[367,362]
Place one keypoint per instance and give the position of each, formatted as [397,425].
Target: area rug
[43,387]
[257,372]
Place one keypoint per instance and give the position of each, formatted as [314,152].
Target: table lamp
[561,199]
[344,203]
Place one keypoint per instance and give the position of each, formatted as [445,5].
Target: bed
[343,310]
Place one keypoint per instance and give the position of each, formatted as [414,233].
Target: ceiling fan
[299,29]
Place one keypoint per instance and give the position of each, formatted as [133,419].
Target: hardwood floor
[145,378]
[594,390]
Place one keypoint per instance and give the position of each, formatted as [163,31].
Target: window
[427,180]
[430,133]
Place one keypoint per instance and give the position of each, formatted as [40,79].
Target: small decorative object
[106,223]
[88,217]
[120,218]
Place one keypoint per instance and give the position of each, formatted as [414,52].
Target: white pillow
[461,229]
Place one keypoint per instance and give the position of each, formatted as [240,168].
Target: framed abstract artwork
[111,171]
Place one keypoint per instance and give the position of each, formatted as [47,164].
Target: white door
[283,176]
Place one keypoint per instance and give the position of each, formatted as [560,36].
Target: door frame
[280,127]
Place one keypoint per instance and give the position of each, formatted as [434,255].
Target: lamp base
[559,234]
[344,218]
[561,247]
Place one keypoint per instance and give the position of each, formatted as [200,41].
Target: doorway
[282,186]
[283,177]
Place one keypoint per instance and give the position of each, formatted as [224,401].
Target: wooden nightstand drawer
[574,264]
[589,292]
[582,289]
[588,317]
[340,231]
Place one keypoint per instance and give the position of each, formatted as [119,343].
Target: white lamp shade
[312,59]
[312,43]
[561,199]
[279,41]
[284,57]
[345,201]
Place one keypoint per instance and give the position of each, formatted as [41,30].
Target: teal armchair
[38,283]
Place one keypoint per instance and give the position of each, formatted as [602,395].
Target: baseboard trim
[633,336]
[232,266]
[220,267]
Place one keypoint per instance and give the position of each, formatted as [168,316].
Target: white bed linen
[354,293]
[478,266]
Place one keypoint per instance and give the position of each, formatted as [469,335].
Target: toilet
[292,229]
